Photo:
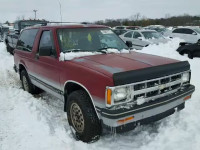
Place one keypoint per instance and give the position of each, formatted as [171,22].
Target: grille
[156,88]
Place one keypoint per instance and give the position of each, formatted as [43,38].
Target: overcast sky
[93,10]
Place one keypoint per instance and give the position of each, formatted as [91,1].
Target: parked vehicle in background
[3,31]
[102,83]
[143,38]
[12,37]
[192,50]
[128,27]
[189,34]
[162,30]
[119,31]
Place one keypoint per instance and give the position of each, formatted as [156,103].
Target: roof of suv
[67,25]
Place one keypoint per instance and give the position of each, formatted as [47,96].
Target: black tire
[9,49]
[190,55]
[28,86]
[91,128]
[181,53]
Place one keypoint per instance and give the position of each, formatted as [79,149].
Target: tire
[27,85]
[82,118]
[181,53]
[190,55]
[9,49]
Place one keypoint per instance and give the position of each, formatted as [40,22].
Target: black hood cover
[128,77]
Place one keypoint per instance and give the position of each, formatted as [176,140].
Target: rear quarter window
[26,40]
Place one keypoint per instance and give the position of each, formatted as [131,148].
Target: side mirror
[17,31]
[129,44]
[45,51]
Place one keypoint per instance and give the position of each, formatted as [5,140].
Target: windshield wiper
[80,50]
[105,49]
[74,50]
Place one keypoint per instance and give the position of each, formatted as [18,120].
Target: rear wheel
[82,118]
[27,85]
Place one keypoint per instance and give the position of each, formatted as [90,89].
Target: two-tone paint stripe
[47,85]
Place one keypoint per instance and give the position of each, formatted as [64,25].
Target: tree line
[138,20]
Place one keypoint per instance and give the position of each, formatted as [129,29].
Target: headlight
[117,95]
[186,77]
[120,94]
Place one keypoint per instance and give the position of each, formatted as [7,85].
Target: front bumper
[145,113]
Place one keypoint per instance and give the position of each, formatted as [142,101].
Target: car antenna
[60,10]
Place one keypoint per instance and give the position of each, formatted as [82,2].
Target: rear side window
[129,34]
[26,40]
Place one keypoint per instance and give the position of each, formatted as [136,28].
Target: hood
[109,64]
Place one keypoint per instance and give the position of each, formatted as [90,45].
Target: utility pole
[35,11]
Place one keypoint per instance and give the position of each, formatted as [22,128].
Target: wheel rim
[25,83]
[77,118]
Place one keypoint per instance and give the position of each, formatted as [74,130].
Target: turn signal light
[109,96]
[125,120]
[187,97]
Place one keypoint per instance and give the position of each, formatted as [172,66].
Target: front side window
[88,39]
[178,31]
[189,31]
[152,35]
[46,41]
[129,34]
[26,40]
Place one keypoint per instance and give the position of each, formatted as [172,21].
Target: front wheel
[82,117]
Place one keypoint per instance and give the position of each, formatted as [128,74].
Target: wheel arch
[71,86]
[21,67]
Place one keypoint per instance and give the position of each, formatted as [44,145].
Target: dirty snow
[30,122]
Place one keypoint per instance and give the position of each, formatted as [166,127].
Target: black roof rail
[57,23]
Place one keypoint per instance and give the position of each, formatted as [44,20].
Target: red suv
[101,82]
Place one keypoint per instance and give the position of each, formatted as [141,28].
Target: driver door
[47,67]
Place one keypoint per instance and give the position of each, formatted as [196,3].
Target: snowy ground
[39,123]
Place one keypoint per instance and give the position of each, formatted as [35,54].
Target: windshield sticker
[106,32]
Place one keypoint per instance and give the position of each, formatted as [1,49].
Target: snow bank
[30,122]
[72,55]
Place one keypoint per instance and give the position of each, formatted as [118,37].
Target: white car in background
[189,34]
[143,38]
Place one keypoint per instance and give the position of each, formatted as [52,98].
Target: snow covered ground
[30,122]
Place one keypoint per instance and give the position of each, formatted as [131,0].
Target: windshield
[197,30]
[88,39]
[30,23]
[152,35]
